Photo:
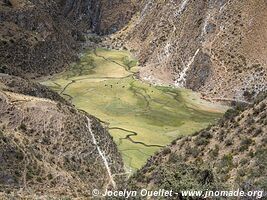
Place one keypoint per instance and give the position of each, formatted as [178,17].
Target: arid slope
[215,47]
[49,149]
[229,155]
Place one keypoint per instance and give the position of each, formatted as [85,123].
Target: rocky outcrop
[102,17]
[226,156]
[228,36]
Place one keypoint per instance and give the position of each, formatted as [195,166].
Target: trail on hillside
[101,153]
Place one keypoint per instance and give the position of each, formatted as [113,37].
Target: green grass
[105,88]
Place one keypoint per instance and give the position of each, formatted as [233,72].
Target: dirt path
[101,153]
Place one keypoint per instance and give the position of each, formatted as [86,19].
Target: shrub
[173,158]
[245,143]
[206,134]
[195,133]
[241,172]
[206,176]
[251,154]
[192,151]
[214,152]
[243,161]
[173,142]
[201,141]
[262,106]
[251,129]
[95,39]
[228,142]
[227,161]
[22,127]
[129,63]
[250,121]
[166,151]
[263,116]
[257,132]
[230,114]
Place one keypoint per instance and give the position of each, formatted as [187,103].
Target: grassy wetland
[141,117]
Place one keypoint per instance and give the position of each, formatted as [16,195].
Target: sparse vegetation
[34,153]
[229,151]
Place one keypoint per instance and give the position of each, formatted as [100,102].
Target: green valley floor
[141,117]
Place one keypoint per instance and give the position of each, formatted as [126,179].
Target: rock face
[102,17]
[49,149]
[228,155]
[217,47]
[199,71]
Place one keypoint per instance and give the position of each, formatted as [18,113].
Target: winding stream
[141,117]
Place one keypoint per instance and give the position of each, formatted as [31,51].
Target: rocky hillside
[35,38]
[48,148]
[231,154]
[101,16]
[40,38]
[26,87]
[217,47]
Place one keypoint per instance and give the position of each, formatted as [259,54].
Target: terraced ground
[141,117]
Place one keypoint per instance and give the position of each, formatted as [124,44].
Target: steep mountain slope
[39,38]
[49,149]
[229,155]
[217,47]
[35,39]
[101,16]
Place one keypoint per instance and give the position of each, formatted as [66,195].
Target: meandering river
[141,117]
